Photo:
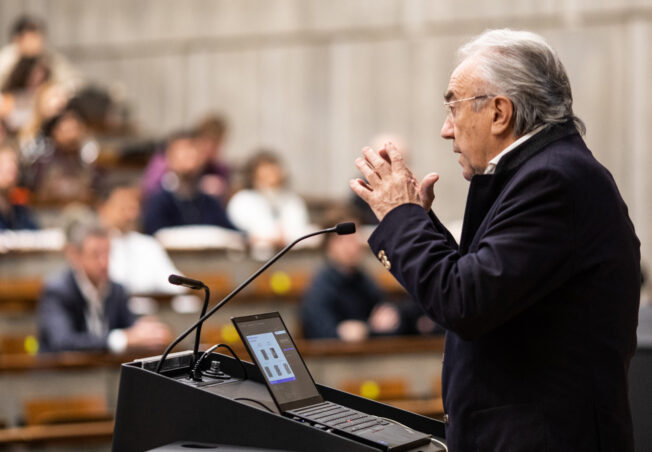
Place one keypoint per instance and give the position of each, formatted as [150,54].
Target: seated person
[81,309]
[215,174]
[180,202]
[266,209]
[18,92]
[342,301]
[63,170]
[215,180]
[12,215]
[29,39]
[49,100]
[137,261]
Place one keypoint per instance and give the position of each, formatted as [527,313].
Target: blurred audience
[343,301]
[13,214]
[266,208]
[19,91]
[49,100]
[28,40]
[181,202]
[137,261]
[214,179]
[60,168]
[82,309]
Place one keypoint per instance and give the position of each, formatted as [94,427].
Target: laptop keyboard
[372,429]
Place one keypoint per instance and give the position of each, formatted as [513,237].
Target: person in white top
[266,209]
[137,261]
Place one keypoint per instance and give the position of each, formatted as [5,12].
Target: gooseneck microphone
[340,229]
[194,284]
[179,280]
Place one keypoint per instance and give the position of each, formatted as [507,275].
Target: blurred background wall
[317,79]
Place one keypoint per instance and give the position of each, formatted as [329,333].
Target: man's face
[122,209]
[30,43]
[69,133]
[345,250]
[93,259]
[268,175]
[184,158]
[469,129]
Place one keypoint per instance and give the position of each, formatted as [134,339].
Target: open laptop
[270,345]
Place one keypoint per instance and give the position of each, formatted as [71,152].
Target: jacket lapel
[485,188]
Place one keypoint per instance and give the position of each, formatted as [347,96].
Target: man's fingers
[395,156]
[368,172]
[361,188]
[426,190]
[378,163]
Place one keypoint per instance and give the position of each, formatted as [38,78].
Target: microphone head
[345,228]
[175,279]
[178,280]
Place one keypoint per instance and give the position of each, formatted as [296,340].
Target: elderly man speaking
[540,297]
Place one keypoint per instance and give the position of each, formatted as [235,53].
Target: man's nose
[448,130]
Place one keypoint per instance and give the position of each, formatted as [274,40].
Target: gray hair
[522,67]
[79,224]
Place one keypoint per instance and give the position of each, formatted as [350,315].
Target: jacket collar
[485,188]
[519,155]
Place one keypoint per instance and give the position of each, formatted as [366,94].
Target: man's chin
[466,172]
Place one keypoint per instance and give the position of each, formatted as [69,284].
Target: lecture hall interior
[144,138]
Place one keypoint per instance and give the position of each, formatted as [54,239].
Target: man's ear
[503,115]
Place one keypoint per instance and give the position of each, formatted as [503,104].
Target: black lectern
[159,409]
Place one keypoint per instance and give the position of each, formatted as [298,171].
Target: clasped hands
[389,183]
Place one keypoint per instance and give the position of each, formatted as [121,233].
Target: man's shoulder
[61,286]
[117,291]
[61,280]
[568,159]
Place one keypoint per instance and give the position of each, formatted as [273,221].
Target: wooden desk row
[320,348]
[21,294]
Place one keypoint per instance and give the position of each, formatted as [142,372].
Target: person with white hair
[540,297]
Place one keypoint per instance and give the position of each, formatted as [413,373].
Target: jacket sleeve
[56,327]
[524,254]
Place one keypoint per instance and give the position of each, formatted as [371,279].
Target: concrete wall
[317,78]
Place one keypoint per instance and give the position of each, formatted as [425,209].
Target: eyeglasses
[450,108]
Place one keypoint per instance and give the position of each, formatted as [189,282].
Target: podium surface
[155,410]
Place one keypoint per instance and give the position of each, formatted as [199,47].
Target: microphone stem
[207,296]
[235,291]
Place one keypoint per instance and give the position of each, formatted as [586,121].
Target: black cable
[195,368]
[255,401]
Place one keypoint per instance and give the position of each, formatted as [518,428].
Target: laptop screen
[270,345]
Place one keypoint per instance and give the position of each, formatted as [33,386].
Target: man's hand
[352,330]
[389,182]
[384,318]
[148,332]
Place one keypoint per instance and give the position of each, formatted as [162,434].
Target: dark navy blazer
[62,316]
[165,209]
[335,296]
[540,300]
